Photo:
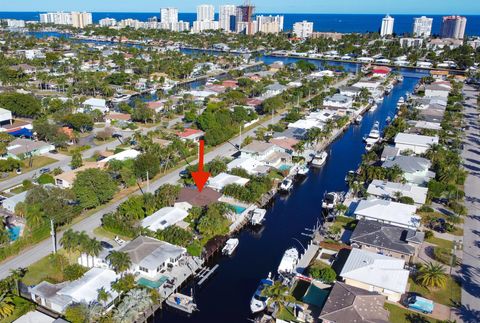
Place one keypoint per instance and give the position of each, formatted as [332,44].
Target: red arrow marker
[200,177]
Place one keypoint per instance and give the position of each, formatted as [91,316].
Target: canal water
[225,297]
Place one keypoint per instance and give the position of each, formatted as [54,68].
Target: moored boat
[330,200]
[182,302]
[303,170]
[286,185]
[257,216]
[358,119]
[259,302]
[373,107]
[289,261]
[320,159]
[230,246]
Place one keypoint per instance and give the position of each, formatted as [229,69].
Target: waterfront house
[338,102]
[190,134]
[389,152]
[164,218]
[251,165]
[387,239]
[267,153]
[151,257]
[287,143]
[431,114]
[381,71]
[351,91]
[94,104]
[388,190]
[439,89]
[418,144]
[376,273]
[190,196]
[415,169]
[347,303]
[223,179]
[399,214]
[57,297]
[371,86]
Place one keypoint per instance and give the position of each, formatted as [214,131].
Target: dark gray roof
[409,164]
[295,133]
[389,152]
[352,304]
[386,236]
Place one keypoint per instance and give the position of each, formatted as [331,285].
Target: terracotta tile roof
[195,198]
[187,132]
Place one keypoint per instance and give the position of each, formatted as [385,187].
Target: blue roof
[21,133]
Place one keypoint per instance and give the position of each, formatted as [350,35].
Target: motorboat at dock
[289,261]
[286,185]
[257,216]
[181,302]
[319,159]
[230,246]
[258,302]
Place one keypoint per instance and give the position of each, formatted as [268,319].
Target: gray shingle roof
[408,164]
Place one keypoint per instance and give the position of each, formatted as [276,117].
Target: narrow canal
[226,296]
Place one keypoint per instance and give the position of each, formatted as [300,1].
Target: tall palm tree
[7,306]
[432,275]
[93,248]
[69,240]
[278,294]
[16,275]
[103,295]
[119,261]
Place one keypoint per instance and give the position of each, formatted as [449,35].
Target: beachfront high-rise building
[56,18]
[227,17]
[169,15]
[269,24]
[245,23]
[422,27]
[81,19]
[387,26]
[107,22]
[205,12]
[303,29]
[453,27]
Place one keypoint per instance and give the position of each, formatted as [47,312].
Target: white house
[273,90]
[439,89]
[412,142]
[372,86]
[266,153]
[122,156]
[5,116]
[388,190]
[251,165]
[402,215]
[415,169]
[376,273]
[351,91]
[338,101]
[10,203]
[223,179]
[164,218]
[95,104]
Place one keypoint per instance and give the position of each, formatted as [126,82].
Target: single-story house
[273,90]
[381,71]
[251,165]
[438,89]
[338,101]
[10,203]
[415,169]
[266,153]
[286,143]
[27,147]
[388,190]
[389,152]
[376,273]
[387,239]
[399,214]
[95,104]
[190,196]
[347,303]
[223,179]
[66,179]
[150,257]
[412,142]
[191,134]
[163,218]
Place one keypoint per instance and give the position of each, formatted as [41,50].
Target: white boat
[374,135]
[211,80]
[320,159]
[259,302]
[400,78]
[121,98]
[289,261]
[401,101]
[258,216]
[303,170]
[330,200]
[373,107]
[358,119]
[350,174]
[388,120]
[182,302]
[369,146]
[286,185]
[230,246]
[379,100]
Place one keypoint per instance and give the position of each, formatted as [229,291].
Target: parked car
[44,170]
[417,303]
[18,171]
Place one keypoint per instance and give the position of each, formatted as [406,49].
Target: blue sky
[280,6]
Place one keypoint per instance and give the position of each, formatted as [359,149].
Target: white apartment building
[411,42]
[422,27]
[453,27]
[205,12]
[270,24]
[227,17]
[303,29]
[107,22]
[387,26]
[169,15]
[200,26]
[81,19]
[75,19]
[14,23]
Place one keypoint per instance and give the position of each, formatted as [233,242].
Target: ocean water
[344,23]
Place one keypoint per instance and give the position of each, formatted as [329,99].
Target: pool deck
[181,273]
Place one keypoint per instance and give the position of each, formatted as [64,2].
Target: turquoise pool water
[14,233]
[284,167]
[152,284]
[238,209]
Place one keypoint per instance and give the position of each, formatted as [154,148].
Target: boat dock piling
[205,273]
[307,257]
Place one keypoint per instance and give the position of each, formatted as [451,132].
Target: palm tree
[16,275]
[119,261]
[432,275]
[93,248]
[103,295]
[278,294]
[69,240]
[7,306]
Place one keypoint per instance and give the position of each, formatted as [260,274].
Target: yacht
[289,261]
[230,246]
[374,135]
[258,216]
[330,200]
[259,302]
[121,98]
[182,302]
[379,100]
[303,170]
[369,146]
[320,159]
[373,107]
[400,102]
[286,185]
[358,119]
[211,81]
[400,78]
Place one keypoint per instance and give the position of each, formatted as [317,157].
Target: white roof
[416,140]
[376,270]
[34,317]
[164,218]
[86,288]
[249,164]
[388,189]
[95,102]
[121,156]
[306,124]
[388,211]
[428,125]
[5,115]
[224,179]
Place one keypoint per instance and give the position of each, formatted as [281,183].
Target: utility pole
[148,183]
[240,141]
[52,232]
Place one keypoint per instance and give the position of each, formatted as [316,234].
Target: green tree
[146,163]
[7,306]
[278,294]
[94,187]
[77,313]
[77,160]
[120,261]
[21,105]
[432,275]
[327,275]
[74,272]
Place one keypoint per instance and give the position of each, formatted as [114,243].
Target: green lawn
[101,232]
[286,314]
[37,162]
[22,306]
[441,242]
[44,269]
[451,292]
[402,315]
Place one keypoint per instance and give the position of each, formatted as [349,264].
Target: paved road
[470,269]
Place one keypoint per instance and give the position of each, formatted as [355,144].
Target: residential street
[470,269]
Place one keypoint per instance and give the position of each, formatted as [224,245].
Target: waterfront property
[164,218]
[415,143]
[416,170]
[399,214]
[376,273]
[223,179]
[394,191]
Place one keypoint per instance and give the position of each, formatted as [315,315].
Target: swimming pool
[284,167]
[238,209]
[14,233]
[152,284]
